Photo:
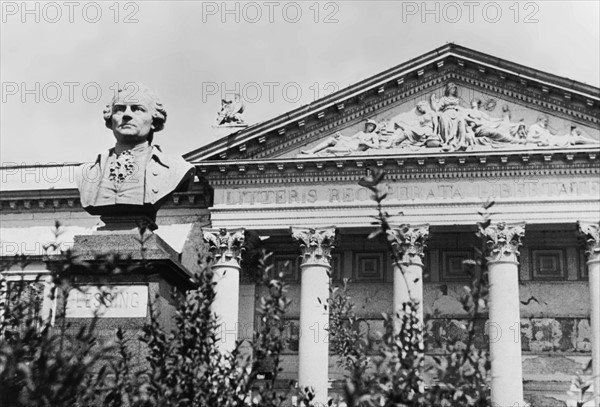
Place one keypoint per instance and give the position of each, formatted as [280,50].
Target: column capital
[315,244]
[225,245]
[503,241]
[589,234]
[410,242]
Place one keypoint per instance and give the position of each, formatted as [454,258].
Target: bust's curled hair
[136,92]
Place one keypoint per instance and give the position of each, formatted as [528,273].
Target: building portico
[451,130]
[271,195]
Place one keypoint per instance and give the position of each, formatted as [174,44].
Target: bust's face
[132,119]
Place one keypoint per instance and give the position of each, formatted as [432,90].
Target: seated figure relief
[540,134]
[451,118]
[487,131]
[421,133]
[343,145]
[445,124]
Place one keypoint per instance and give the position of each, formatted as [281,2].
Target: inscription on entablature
[402,191]
[267,196]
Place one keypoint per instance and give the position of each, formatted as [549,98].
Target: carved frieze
[496,134]
[590,235]
[410,242]
[315,244]
[225,245]
[448,124]
[503,241]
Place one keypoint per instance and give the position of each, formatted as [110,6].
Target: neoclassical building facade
[451,129]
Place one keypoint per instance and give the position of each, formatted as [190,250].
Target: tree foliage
[398,375]
[46,363]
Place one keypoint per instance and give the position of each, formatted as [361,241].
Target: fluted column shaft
[410,241]
[591,235]
[313,368]
[225,247]
[503,243]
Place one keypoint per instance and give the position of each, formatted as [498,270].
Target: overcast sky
[279,55]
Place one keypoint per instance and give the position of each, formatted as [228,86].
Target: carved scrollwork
[503,241]
[315,244]
[410,242]
[225,245]
[589,234]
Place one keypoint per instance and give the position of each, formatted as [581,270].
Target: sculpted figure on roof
[134,177]
[231,111]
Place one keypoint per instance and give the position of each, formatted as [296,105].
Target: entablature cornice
[68,200]
[525,163]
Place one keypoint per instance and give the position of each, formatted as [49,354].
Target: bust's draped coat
[164,174]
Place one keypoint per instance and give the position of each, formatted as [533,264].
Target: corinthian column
[591,235]
[410,242]
[503,243]
[226,247]
[316,245]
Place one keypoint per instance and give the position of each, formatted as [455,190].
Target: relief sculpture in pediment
[446,124]
[344,145]
[418,131]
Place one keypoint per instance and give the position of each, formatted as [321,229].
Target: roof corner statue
[134,178]
[231,111]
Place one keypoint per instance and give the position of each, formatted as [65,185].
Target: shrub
[395,375]
[46,364]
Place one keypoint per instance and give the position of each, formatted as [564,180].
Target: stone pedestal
[223,130]
[128,223]
[591,235]
[410,242]
[503,242]
[161,260]
[226,246]
[145,279]
[313,352]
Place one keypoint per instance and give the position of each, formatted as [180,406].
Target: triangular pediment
[512,99]
[475,120]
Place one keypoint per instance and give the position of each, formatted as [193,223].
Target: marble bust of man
[133,178]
